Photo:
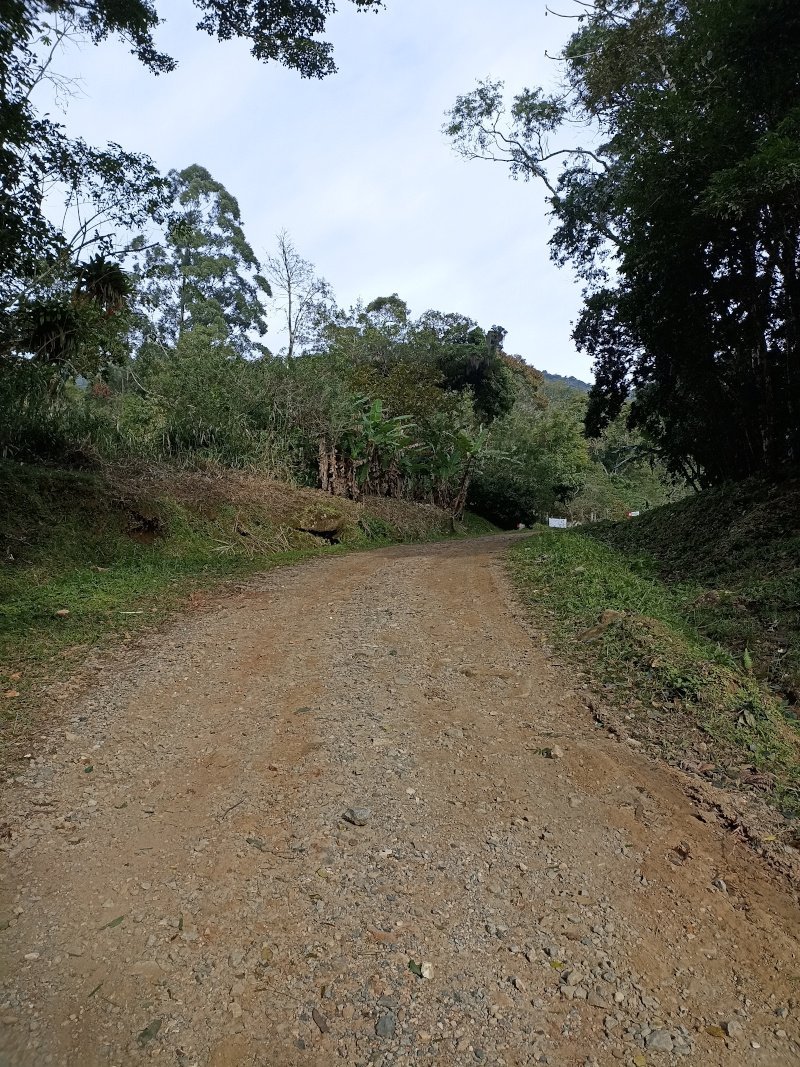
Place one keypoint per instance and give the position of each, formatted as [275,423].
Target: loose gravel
[355,812]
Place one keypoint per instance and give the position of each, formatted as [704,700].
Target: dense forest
[680,210]
[135,325]
[167,362]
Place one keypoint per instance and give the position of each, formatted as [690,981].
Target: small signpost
[557,524]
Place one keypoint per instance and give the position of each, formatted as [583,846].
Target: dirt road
[181,884]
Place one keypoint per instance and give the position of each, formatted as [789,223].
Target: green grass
[119,552]
[687,695]
[732,557]
[134,588]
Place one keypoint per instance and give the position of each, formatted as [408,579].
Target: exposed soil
[180,883]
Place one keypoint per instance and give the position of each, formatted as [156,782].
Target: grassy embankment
[89,558]
[699,648]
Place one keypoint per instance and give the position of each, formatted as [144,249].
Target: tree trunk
[460,501]
[324,466]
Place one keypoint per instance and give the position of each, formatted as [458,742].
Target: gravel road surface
[355,813]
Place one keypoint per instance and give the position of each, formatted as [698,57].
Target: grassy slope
[664,658]
[732,555]
[121,549]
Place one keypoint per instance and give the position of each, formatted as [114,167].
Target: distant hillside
[569,382]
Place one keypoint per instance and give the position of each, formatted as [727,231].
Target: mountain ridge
[566,380]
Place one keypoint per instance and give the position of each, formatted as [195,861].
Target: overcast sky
[355,166]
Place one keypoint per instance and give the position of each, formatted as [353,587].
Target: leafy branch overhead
[100,193]
[283,31]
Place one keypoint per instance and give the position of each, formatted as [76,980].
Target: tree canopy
[107,191]
[681,212]
[203,272]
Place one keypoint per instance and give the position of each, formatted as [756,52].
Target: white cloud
[356,166]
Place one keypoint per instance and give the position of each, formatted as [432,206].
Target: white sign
[557,524]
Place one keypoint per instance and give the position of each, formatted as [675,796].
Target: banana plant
[450,456]
[374,443]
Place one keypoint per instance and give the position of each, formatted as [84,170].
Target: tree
[101,192]
[300,293]
[681,214]
[107,189]
[100,188]
[444,352]
[469,358]
[78,326]
[439,379]
[536,462]
[204,273]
